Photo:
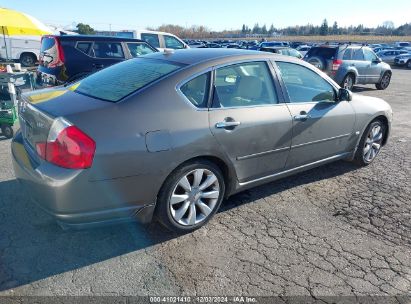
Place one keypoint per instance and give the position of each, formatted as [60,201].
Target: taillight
[60,51]
[336,64]
[57,54]
[67,146]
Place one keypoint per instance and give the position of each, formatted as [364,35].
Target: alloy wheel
[373,143]
[348,83]
[194,197]
[385,81]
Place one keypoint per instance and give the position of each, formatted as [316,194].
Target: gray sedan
[172,135]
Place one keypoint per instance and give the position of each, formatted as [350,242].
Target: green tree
[244,29]
[85,29]
[264,30]
[335,30]
[324,28]
[256,29]
[272,29]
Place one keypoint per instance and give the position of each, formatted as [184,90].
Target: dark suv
[350,64]
[67,58]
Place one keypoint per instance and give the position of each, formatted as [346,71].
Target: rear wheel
[348,82]
[190,196]
[27,59]
[370,143]
[7,131]
[384,82]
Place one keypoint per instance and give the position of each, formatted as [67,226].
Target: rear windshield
[122,79]
[323,52]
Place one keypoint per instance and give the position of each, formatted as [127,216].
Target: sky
[214,14]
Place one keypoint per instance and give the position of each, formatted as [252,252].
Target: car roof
[92,38]
[196,56]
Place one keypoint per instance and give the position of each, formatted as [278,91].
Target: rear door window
[151,38]
[347,54]
[358,55]
[245,84]
[108,50]
[84,47]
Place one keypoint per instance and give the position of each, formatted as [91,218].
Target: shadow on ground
[34,247]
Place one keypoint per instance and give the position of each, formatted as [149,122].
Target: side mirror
[377,60]
[344,95]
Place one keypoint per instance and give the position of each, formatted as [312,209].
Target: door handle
[98,66]
[227,124]
[302,116]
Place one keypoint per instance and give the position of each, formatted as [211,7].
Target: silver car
[172,135]
[388,56]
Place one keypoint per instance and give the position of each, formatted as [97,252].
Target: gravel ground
[337,230]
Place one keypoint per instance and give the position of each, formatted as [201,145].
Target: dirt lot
[335,230]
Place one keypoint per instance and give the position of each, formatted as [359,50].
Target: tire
[190,209]
[384,82]
[7,131]
[28,60]
[348,82]
[318,62]
[409,64]
[369,142]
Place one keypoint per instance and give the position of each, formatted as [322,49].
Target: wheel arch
[28,53]
[381,117]
[227,170]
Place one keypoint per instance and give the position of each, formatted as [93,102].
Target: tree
[244,29]
[256,29]
[264,30]
[272,29]
[324,28]
[85,29]
[335,30]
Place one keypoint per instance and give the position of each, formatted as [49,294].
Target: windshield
[122,79]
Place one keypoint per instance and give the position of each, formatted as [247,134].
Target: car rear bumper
[70,197]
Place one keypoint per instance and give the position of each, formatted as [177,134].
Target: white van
[159,40]
[25,49]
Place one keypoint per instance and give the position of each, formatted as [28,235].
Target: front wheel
[384,82]
[7,131]
[409,64]
[370,143]
[190,196]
